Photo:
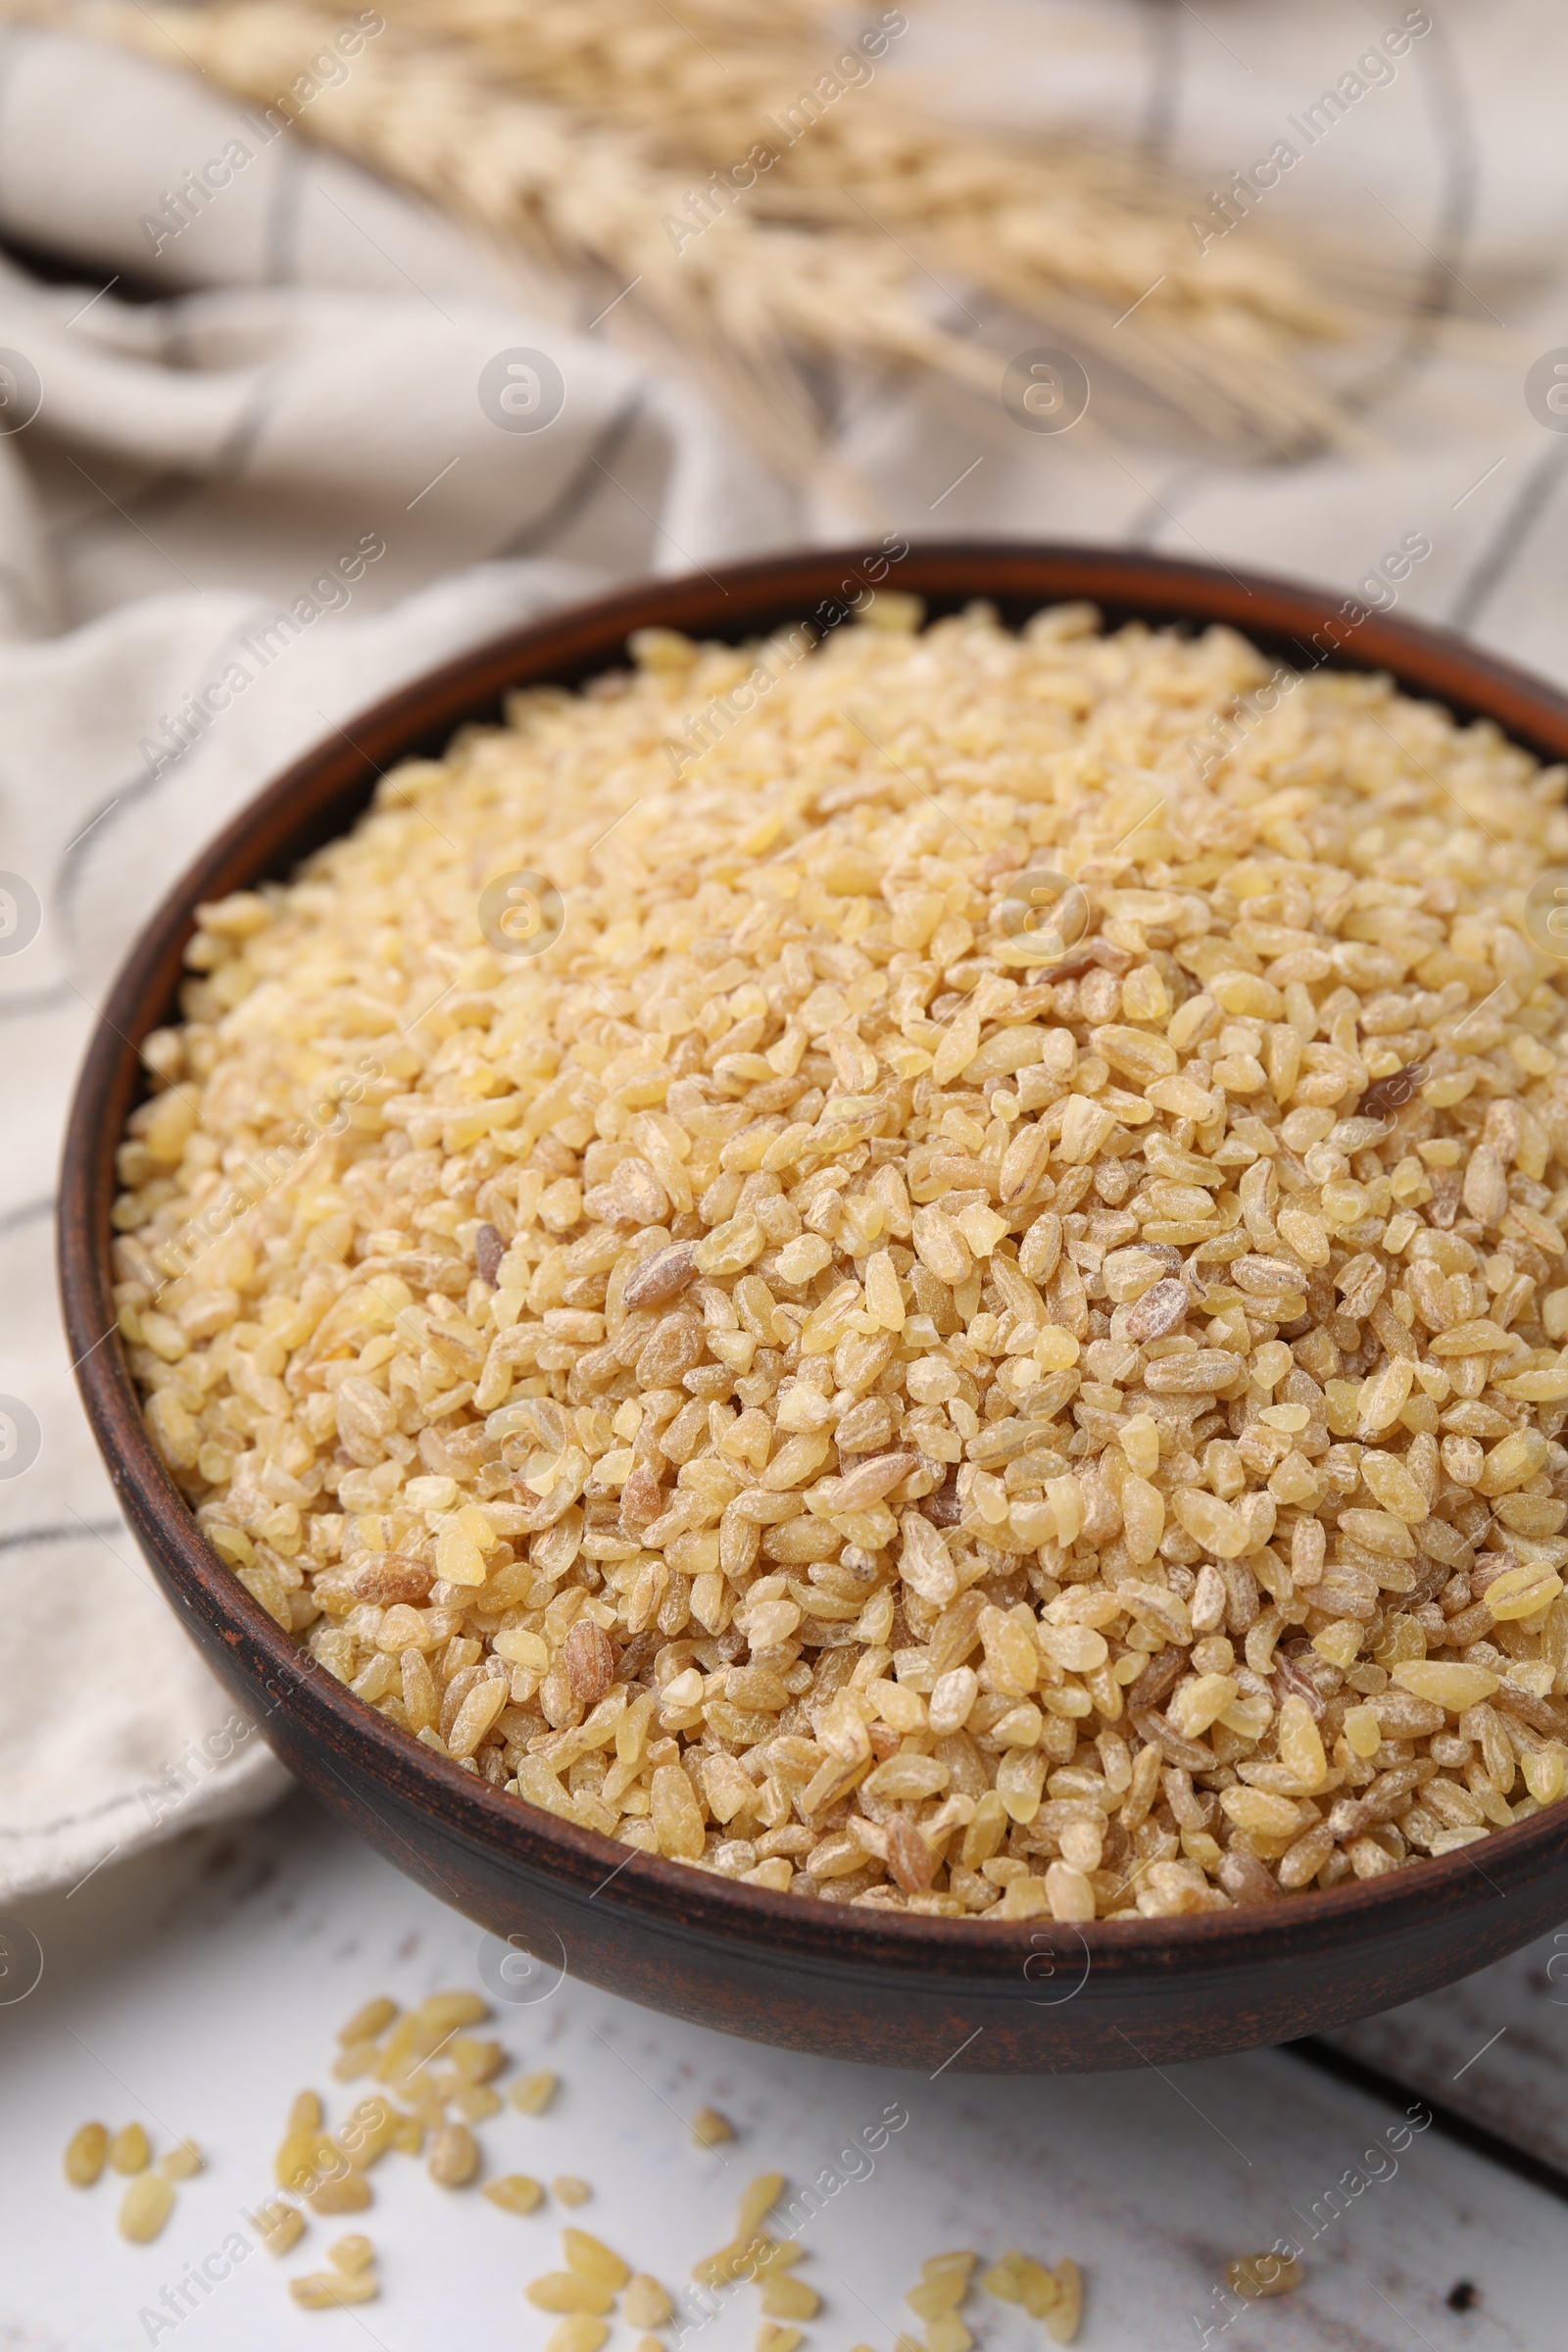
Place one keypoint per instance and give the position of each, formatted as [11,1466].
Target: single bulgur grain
[514,2192]
[1066,2314]
[532,2093]
[370,2022]
[351,2253]
[567,2190]
[770,2337]
[1257,2275]
[367,2132]
[476,2061]
[757,2199]
[441,2013]
[129,2151]
[710,2128]
[454,2156]
[145,2207]
[646,2303]
[808,1351]
[475,2103]
[591,2259]
[787,2298]
[85,2155]
[279,2224]
[183,2162]
[346,2192]
[581,2332]
[333,2291]
[568,2291]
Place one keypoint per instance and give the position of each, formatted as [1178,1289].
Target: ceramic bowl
[891,1987]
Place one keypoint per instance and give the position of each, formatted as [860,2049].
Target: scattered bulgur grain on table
[1066,2314]
[514,2192]
[370,2022]
[646,2303]
[710,2128]
[1025,1359]
[1257,2275]
[588,2257]
[531,2094]
[578,2333]
[279,2224]
[331,2291]
[345,2193]
[454,2156]
[1017,2278]
[567,2190]
[130,2150]
[567,2290]
[145,2207]
[353,2253]
[85,2155]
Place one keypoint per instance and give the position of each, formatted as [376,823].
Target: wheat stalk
[572,129]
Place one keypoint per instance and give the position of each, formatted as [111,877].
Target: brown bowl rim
[1427,661]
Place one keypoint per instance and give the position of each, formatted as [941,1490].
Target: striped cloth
[272,474]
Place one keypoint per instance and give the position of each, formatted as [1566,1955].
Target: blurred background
[334,340]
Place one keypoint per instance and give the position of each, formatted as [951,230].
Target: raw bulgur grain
[346,2192]
[514,2192]
[128,2150]
[581,2332]
[567,2290]
[454,2156]
[1258,2274]
[591,2259]
[996,1421]
[145,2207]
[646,2303]
[85,2155]
[531,2094]
[370,2022]
[279,2224]
[331,2291]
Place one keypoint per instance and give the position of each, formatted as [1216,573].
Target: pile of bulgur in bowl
[808,1365]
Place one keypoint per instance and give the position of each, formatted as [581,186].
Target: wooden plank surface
[1495,2049]
[201,1987]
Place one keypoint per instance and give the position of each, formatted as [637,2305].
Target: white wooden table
[201,1986]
